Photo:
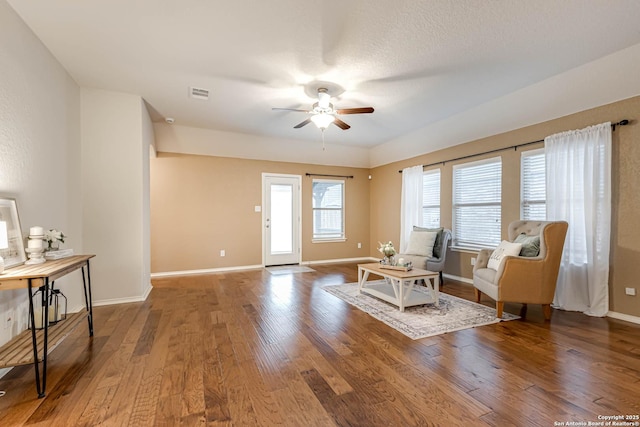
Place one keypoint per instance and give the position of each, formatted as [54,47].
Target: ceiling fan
[323,113]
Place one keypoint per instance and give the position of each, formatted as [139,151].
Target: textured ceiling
[416,62]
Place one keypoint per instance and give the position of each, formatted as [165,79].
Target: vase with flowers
[389,253]
[54,238]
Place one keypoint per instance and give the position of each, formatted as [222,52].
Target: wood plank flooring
[255,349]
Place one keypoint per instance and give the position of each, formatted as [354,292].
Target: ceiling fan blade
[291,109]
[360,110]
[299,125]
[342,125]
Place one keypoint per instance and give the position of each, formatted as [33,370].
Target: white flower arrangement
[387,249]
[52,236]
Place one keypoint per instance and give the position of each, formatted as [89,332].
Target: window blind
[532,185]
[477,203]
[328,209]
[431,198]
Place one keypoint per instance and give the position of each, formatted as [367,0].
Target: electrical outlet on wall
[359,245]
[222,252]
[473,261]
[630,291]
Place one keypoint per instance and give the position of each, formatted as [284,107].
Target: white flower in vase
[53,238]
[388,251]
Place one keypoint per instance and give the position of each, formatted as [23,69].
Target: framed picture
[15,254]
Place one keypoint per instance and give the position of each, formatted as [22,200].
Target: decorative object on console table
[14,253]
[57,310]
[4,242]
[60,253]
[35,247]
[54,238]
[57,303]
[39,302]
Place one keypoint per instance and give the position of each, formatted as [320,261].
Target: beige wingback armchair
[519,279]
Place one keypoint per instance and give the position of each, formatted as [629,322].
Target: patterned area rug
[289,269]
[421,321]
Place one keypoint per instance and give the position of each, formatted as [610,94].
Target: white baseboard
[203,271]
[147,291]
[458,278]
[250,267]
[625,317]
[336,261]
[119,301]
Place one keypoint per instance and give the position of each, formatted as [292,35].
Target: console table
[33,346]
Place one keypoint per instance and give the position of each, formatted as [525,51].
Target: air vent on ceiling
[199,93]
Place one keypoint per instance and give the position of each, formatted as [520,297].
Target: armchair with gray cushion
[435,262]
[523,279]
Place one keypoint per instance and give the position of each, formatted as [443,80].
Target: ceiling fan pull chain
[322,139]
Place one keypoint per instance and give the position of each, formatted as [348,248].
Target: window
[328,209]
[533,194]
[477,203]
[431,199]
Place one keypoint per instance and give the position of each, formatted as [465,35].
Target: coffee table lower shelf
[385,292]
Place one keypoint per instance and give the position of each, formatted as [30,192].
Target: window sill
[468,250]
[328,240]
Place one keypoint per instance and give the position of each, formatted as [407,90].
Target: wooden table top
[18,277]
[415,272]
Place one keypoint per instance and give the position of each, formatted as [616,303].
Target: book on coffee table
[61,253]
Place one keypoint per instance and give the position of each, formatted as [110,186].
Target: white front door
[281,219]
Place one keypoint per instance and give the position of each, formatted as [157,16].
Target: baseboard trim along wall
[204,271]
[458,278]
[625,317]
[119,300]
[336,261]
[252,267]
[147,291]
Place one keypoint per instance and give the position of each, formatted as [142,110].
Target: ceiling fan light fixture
[322,120]
[323,98]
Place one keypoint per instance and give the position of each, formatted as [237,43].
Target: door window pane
[281,220]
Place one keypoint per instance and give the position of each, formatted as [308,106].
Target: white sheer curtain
[411,203]
[578,165]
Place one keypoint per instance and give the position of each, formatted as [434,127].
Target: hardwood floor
[255,349]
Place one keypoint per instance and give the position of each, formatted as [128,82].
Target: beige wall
[203,204]
[39,147]
[116,133]
[625,233]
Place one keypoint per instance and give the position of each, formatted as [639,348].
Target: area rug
[289,269]
[421,321]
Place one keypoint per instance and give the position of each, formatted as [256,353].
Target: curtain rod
[330,176]
[515,147]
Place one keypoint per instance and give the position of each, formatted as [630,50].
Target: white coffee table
[398,287]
